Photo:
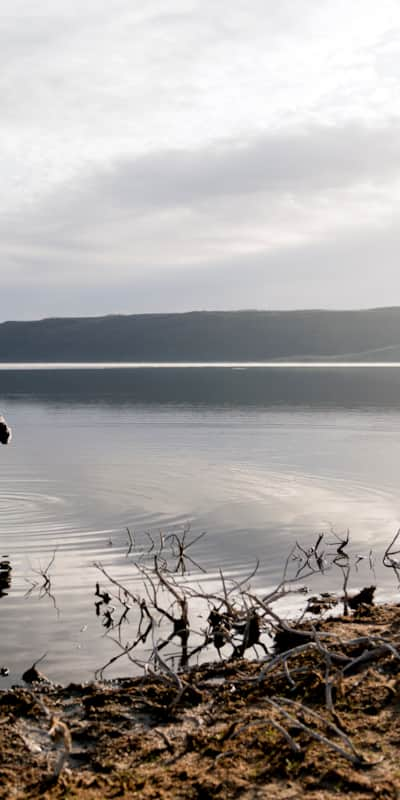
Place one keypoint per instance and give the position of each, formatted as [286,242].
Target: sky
[174,155]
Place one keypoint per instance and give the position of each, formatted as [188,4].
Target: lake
[255,456]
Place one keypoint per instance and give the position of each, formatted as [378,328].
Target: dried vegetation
[313,710]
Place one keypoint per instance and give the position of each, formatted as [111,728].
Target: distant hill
[371,335]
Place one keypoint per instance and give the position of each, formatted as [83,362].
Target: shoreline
[317,719]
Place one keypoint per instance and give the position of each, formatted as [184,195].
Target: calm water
[256,457]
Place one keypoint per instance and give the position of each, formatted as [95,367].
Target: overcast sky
[173,155]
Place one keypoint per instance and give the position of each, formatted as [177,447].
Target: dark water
[255,457]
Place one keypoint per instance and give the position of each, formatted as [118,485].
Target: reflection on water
[260,387]
[5,576]
[257,458]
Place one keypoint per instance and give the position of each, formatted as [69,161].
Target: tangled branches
[234,619]
[299,665]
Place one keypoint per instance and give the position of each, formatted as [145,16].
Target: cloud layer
[194,156]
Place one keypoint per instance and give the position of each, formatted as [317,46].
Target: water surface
[257,457]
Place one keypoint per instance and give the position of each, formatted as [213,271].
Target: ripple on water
[19,509]
[248,511]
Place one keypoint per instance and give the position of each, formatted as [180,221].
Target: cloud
[314,158]
[192,206]
[302,219]
[88,83]
[151,146]
[357,269]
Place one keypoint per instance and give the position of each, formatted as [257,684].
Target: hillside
[207,336]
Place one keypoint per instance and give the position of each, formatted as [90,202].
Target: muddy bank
[320,720]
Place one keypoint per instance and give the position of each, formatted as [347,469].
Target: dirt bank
[320,721]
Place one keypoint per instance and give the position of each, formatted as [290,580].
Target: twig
[353,756]
[131,542]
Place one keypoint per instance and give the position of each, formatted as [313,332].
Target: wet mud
[299,723]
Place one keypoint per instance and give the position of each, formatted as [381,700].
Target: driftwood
[239,619]
[284,689]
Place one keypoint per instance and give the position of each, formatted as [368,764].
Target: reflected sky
[255,475]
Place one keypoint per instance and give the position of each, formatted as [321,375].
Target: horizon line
[239,365]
